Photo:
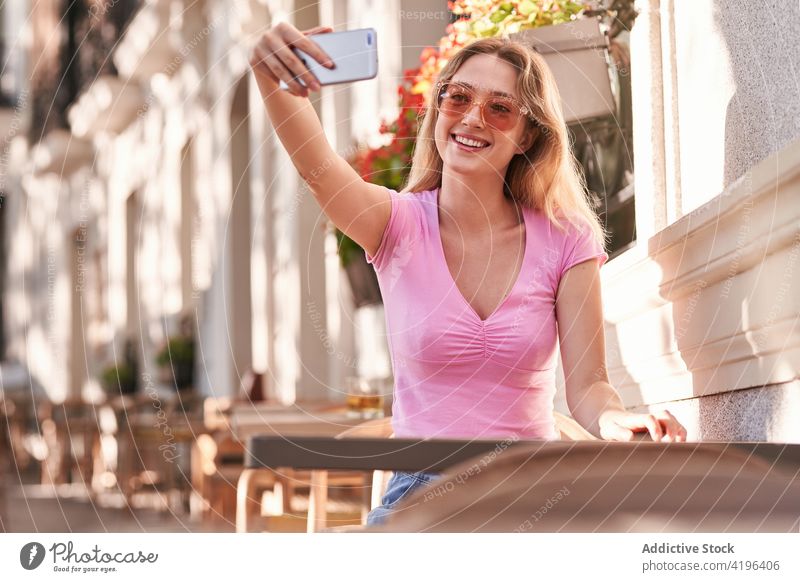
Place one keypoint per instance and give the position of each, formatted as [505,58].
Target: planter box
[178,376]
[363,281]
[577,53]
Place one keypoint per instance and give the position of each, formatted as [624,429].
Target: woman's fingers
[615,432]
[296,69]
[316,30]
[647,421]
[265,64]
[661,426]
[666,420]
[683,433]
[297,39]
[257,58]
[274,54]
[675,430]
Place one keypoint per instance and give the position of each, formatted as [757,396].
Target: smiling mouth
[468,144]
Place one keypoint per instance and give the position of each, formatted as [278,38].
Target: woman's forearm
[587,404]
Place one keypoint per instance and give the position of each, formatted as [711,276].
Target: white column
[313,379]
[339,340]
[648,120]
[672,157]
[259,260]
[376,99]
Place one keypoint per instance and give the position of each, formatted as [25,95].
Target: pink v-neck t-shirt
[457,376]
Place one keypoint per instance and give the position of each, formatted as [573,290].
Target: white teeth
[469,142]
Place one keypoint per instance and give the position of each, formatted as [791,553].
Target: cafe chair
[22,447]
[275,494]
[217,463]
[322,509]
[154,439]
[69,431]
[570,430]
[373,485]
[221,487]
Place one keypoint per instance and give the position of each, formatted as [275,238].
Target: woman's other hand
[620,425]
[272,57]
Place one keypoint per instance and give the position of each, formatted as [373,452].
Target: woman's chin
[473,166]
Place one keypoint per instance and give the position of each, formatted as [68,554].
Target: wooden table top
[323,420]
[403,454]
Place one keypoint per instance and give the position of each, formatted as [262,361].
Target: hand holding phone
[274,58]
[306,61]
[354,52]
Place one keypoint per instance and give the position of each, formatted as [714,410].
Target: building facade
[166,199]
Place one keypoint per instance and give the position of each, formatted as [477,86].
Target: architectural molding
[716,302]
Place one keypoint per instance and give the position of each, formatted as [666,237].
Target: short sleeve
[403,225]
[580,244]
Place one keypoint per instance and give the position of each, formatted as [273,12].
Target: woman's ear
[527,140]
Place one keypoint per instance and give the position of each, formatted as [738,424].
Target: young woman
[487,261]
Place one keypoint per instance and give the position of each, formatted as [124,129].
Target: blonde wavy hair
[545,177]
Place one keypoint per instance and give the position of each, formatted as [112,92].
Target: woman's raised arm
[357,208]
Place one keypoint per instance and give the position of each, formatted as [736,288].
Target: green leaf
[526,7]
[347,248]
[498,16]
[491,31]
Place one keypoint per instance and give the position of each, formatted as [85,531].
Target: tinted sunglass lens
[455,100]
[500,114]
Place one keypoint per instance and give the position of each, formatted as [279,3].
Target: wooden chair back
[569,429]
[378,427]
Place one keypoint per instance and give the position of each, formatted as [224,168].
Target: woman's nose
[472,115]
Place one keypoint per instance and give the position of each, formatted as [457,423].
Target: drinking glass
[365,397]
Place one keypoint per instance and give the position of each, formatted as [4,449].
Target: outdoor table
[247,423]
[404,454]
[777,463]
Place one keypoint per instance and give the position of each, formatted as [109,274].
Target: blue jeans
[400,486]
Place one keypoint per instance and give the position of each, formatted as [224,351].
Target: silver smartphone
[354,52]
